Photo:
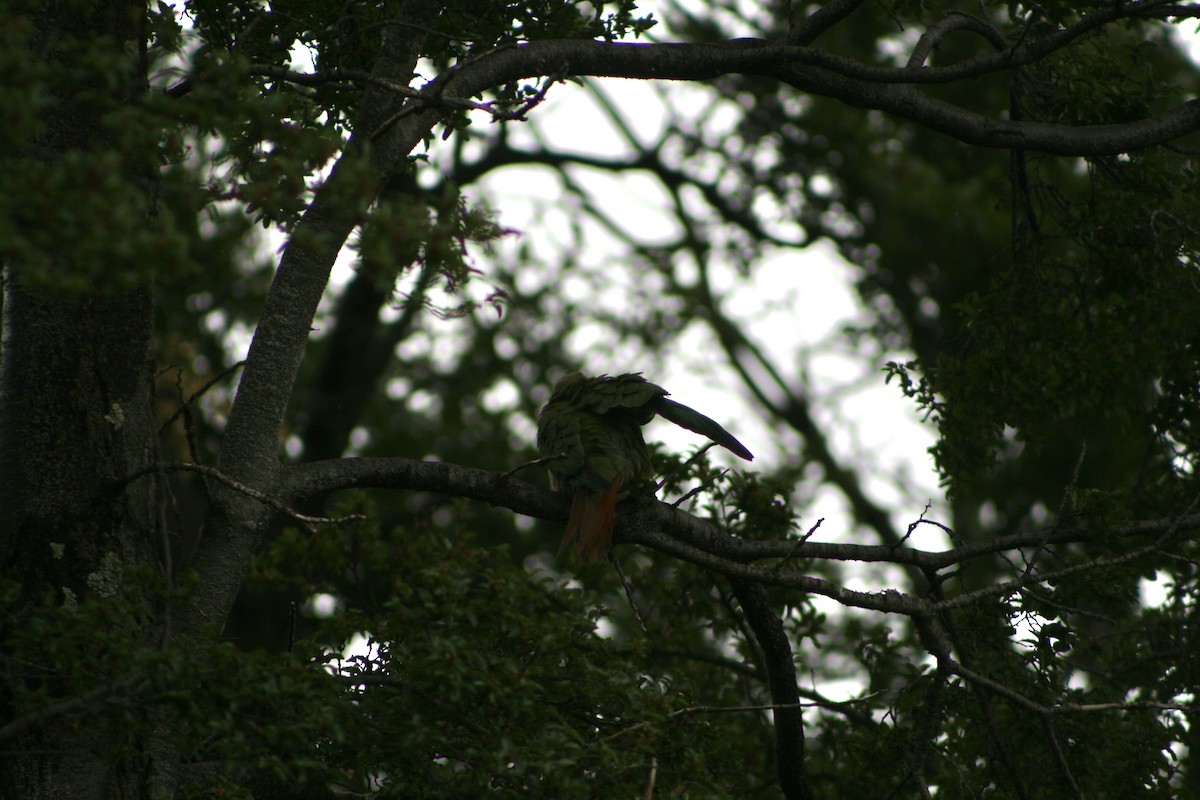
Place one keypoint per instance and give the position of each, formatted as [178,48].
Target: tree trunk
[76,418]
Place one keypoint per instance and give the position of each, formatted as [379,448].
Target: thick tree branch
[820,73]
[317,477]
[305,480]
[657,525]
[781,678]
[677,533]
[250,450]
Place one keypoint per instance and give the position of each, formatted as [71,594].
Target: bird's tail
[590,523]
[693,420]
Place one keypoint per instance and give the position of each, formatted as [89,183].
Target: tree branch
[827,75]
[781,678]
[308,520]
[822,20]
[655,525]
[953,21]
[250,449]
[672,531]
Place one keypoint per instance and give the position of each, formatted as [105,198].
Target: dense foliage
[286,285]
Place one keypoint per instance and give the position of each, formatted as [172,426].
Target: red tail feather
[590,524]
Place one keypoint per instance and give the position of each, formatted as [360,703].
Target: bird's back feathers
[594,427]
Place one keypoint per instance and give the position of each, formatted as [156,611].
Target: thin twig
[1017,584]
[652,774]
[308,520]
[799,543]
[912,526]
[1061,757]
[1024,702]
[196,395]
[537,462]
[681,712]
[628,587]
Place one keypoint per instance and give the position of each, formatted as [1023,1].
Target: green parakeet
[595,425]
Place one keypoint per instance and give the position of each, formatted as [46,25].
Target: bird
[591,429]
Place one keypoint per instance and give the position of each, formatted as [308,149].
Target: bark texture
[76,416]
